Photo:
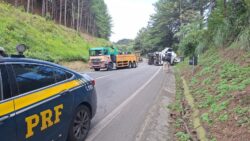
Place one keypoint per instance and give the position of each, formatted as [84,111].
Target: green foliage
[213,139]
[207,81]
[103,20]
[162,26]
[243,115]
[243,40]
[184,27]
[125,45]
[233,78]
[182,136]
[45,39]
[176,106]
[193,81]
[205,117]
[215,108]
[223,117]
[178,123]
[241,111]
[192,36]
[224,26]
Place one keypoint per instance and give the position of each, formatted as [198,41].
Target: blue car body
[42,113]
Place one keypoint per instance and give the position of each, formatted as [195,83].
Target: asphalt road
[125,98]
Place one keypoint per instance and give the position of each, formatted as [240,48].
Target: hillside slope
[220,87]
[45,39]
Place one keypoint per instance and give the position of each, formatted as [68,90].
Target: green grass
[45,39]
[183,136]
[177,108]
[217,86]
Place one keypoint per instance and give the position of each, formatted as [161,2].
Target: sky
[129,16]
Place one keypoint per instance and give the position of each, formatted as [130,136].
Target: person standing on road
[167,61]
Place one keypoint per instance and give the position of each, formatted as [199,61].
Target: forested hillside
[88,16]
[194,26]
[45,39]
[125,45]
[218,32]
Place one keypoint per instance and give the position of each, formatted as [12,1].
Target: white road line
[105,121]
[103,76]
[138,138]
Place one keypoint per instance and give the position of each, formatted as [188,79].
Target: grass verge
[220,87]
[45,39]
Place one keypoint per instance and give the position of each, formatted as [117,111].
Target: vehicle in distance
[42,101]
[109,58]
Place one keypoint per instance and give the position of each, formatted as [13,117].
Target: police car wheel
[80,124]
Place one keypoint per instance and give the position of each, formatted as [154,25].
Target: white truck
[169,52]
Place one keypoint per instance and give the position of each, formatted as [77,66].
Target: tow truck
[108,58]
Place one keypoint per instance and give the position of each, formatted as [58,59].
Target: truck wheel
[110,66]
[80,124]
[130,65]
[135,65]
[97,69]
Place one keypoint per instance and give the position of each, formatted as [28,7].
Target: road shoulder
[156,126]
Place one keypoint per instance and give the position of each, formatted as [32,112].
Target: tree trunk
[28,6]
[73,15]
[32,6]
[87,24]
[78,15]
[225,8]
[81,16]
[43,8]
[180,9]
[16,3]
[65,13]
[60,14]
[93,27]
[46,7]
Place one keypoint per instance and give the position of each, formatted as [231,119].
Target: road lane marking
[170,91]
[103,76]
[106,120]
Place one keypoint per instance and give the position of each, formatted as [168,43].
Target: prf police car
[42,101]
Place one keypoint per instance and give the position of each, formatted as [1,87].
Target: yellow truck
[108,58]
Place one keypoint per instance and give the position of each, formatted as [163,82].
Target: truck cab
[102,58]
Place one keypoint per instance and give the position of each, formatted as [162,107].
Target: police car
[42,101]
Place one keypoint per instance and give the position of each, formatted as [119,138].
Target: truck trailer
[108,58]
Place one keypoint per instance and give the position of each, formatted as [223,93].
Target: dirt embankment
[221,90]
[78,66]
